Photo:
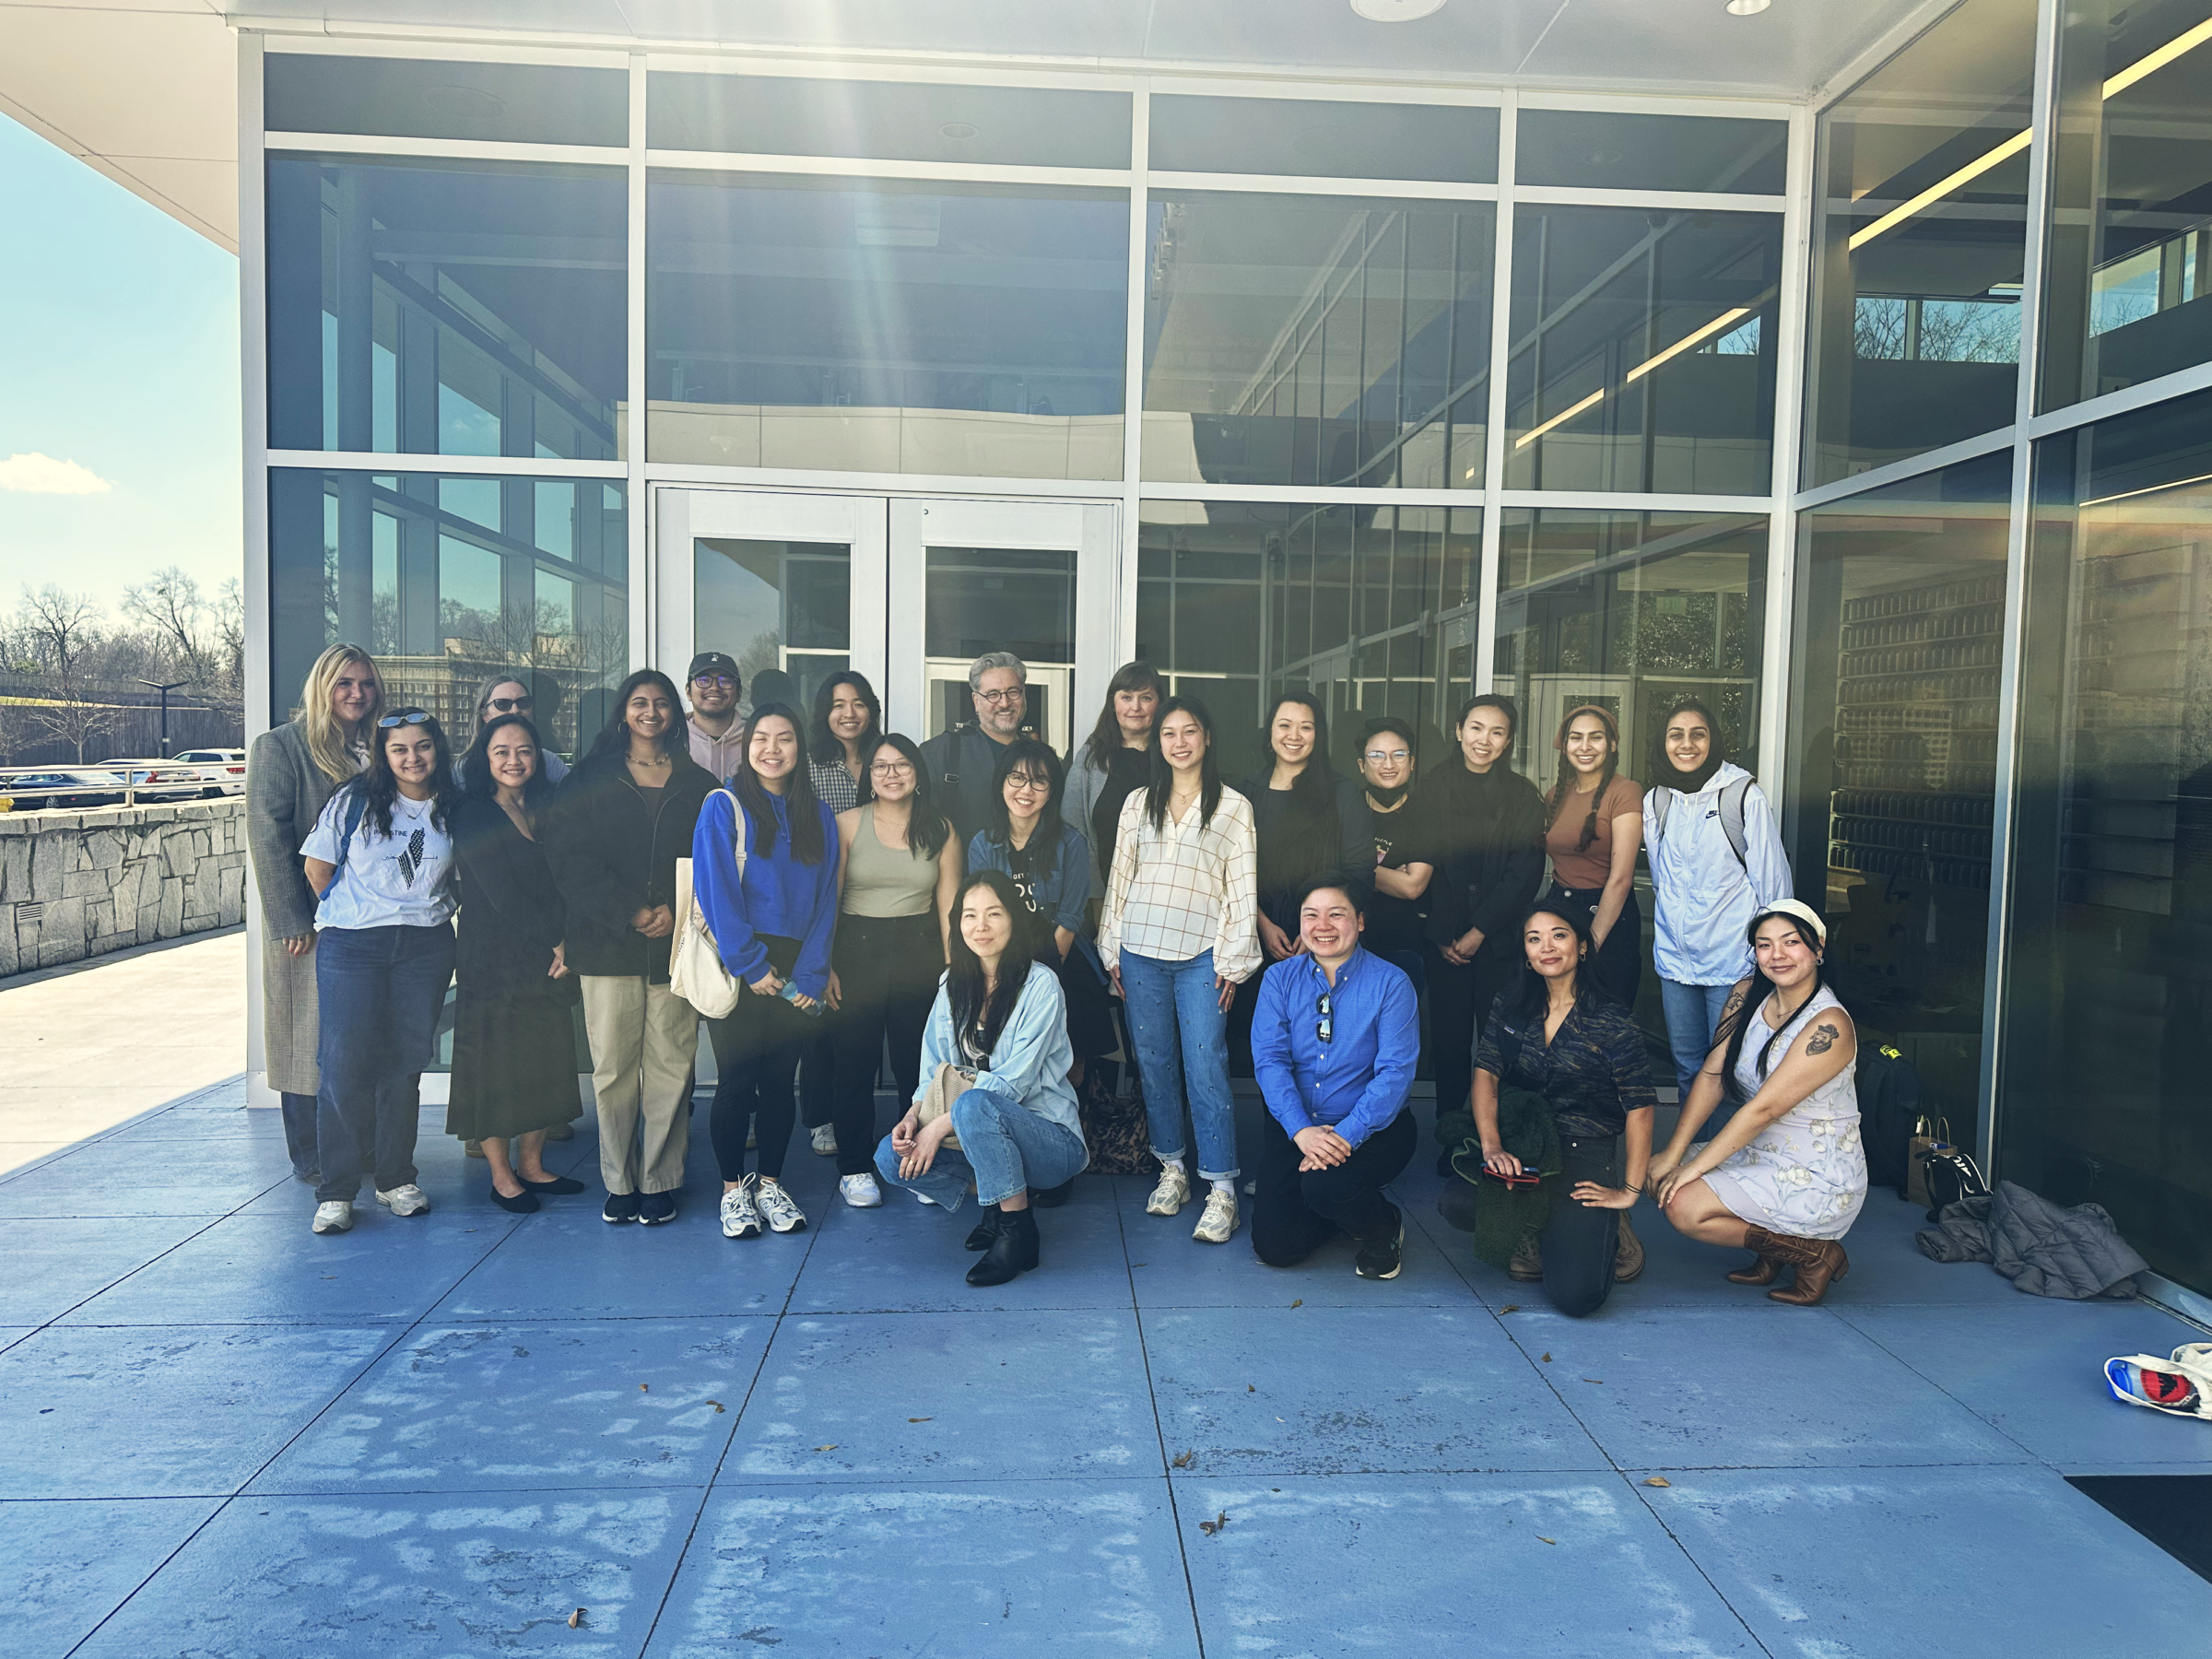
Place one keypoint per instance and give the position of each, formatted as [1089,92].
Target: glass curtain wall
[1918,244]
[1892,763]
[2110,982]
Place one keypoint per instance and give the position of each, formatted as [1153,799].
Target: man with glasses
[1334,1041]
[1395,917]
[963,762]
[715,733]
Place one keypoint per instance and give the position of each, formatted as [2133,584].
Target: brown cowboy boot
[1628,1254]
[1819,1262]
[1762,1272]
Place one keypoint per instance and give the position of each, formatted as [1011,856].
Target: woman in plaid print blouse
[1178,933]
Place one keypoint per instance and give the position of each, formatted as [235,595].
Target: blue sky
[120,357]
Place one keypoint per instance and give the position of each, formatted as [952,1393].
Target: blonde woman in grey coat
[291,773]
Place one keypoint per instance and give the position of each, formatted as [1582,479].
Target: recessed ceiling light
[1396,11]
[1747,8]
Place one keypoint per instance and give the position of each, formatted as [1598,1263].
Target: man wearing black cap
[713,685]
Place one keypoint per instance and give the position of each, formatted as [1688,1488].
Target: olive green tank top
[886,881]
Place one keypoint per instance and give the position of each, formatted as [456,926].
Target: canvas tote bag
[696,970]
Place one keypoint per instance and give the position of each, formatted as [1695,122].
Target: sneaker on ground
[825,1139]
[654,1209]
[740,1216]
[1173,1193]
[782,1215]
[860,1191]
[1380,1258]
[620,1208]
[1527,1266]
[408,1200]
[336,1217]
[1220,1221]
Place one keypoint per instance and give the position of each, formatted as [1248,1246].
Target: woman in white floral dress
[1786,1177]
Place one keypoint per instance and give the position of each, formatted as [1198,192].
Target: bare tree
[59,628]
[202,639]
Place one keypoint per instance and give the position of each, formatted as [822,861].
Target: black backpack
[1889,1090]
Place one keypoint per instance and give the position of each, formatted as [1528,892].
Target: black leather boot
[986,1230]
[1012,1252]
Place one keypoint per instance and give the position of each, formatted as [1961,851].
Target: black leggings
[887,969]
[1579,1243]
[757,1058]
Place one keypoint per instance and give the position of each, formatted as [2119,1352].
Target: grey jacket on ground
[2043,1248]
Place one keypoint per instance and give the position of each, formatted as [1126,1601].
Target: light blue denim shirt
[1032,1059]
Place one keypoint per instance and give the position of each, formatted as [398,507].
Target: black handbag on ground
[1951,1176]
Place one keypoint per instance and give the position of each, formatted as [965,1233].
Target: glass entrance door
[909,591]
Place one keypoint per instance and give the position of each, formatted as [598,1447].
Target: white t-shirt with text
[402,880]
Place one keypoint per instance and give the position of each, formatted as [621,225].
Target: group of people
[972,911]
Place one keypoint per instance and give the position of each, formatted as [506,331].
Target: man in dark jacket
[963,762]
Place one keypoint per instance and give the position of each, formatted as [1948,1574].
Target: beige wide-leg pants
[644,1038]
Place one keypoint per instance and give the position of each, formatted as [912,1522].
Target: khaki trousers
[644,1038]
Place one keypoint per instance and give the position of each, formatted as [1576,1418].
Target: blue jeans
[1004,1146]
[1693,1014]
[1181,1032]
[380,990]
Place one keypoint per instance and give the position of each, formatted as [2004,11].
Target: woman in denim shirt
[1000,1022]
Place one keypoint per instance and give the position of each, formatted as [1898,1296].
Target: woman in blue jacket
[1000,1024]
[771,909]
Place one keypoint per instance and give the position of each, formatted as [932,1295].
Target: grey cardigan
[285,792]
[1086,780]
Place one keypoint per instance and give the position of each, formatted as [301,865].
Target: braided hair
[1563,789]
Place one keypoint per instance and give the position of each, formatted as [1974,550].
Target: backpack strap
[356,806]
[1662,801]
[1732,816]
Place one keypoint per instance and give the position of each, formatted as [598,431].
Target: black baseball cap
[713,661]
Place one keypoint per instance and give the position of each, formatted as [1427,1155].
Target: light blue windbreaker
[1705,896]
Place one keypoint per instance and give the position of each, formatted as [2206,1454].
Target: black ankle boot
[1013,1250]
[986,1230]
[1053,1198]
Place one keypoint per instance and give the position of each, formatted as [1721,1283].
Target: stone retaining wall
[80,884]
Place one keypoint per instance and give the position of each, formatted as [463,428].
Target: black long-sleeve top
[1486,840]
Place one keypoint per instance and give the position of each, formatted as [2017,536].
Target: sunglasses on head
[405,717]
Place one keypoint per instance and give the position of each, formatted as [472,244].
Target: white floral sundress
[1805,1173]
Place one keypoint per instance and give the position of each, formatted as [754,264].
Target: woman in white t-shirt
[381,856]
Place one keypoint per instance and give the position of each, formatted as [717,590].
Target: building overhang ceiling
[145,91]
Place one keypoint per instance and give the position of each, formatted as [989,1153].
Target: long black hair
[1736,1025]
[1035,758]
[927,829]
[825,742]
[380,783]
[476,766]
[975,1006]
[801,806]
[1106,734]
[1313,791]
[1161,784]
[1529,991]
[614,737]
[1562,789]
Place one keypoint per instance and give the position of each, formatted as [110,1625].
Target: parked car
[222,771]
[159,780]
[42,788]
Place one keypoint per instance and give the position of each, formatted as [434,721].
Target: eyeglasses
[891,769]
[1386,756]
[1023,784]
[999,700]
[1325,1027]
[513,705]
[713,679]
[405,717]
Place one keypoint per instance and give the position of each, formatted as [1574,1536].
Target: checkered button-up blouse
[1188,887]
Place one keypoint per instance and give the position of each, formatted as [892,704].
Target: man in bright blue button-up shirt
[1334,1038]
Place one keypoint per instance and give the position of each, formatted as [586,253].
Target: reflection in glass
[900,121]
[1324,140]
[1611,150]
[1642,350]
[2130,293]
[1317,340]
[1017,599]
[1919,243]
[1372,607]
[425,98]
[774,605]
[948,329]
[2109,989]
[1893,734]
[435,309]
[443,580]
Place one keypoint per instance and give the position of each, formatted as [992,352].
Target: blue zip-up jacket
[1356,1083]
[779,896]
[1032,1058]
[1704,896]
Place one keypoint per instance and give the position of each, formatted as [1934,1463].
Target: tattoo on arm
[1824,1038]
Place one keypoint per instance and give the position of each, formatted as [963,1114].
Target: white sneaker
[407,1200]
[336,1217]
[783,1215]
[860,1191]
[825,1139]
[740,1218]
[923,1198]
[1220,1221]
[1173,1193]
